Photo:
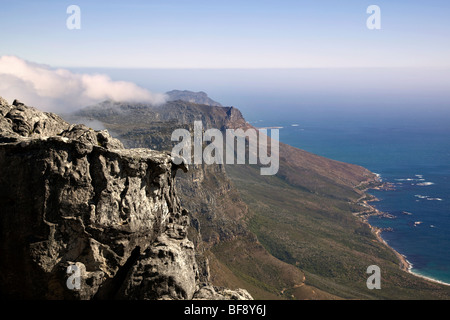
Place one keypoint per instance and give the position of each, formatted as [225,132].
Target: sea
[412,155]
[394,122]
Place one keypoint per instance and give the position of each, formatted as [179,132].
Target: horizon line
[256,68]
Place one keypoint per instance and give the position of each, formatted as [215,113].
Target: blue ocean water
[414,155]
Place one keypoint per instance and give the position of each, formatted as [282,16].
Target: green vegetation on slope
[321,237]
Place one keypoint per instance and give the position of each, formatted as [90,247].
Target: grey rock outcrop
[74,199]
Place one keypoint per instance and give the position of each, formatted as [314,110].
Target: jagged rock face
[74,196]
[160,271]
[206,190]
[208,193]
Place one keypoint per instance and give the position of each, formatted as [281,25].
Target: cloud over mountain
[61,90]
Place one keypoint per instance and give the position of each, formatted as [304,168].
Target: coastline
[404,264]
[429,279]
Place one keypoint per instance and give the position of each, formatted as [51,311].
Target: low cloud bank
[60,90]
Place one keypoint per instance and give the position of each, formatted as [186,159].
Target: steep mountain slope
[218,213]
[293,235]
[75,199]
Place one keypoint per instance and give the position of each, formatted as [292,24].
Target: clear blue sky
[228,34]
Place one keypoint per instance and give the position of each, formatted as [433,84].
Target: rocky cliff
[295,235]
[206,190]
[73,198]
[221,220]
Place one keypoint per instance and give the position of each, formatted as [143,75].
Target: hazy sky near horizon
[228,34]
[308,55]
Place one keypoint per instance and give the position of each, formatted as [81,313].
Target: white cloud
[61,90]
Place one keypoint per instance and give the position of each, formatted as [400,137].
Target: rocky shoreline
[370,211]
[404,264]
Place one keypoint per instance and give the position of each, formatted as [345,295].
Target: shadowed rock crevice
[110,288]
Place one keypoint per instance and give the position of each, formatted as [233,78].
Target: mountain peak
[194,97]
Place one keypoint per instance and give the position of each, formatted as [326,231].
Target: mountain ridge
[190,96]
[307,217]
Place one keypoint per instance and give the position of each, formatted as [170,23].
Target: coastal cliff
[73,196]
[300,234]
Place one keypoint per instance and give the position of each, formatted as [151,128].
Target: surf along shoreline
[370,210]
